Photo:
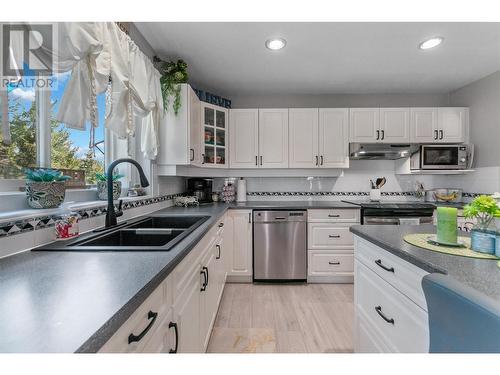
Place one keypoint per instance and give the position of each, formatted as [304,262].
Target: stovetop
[390,205]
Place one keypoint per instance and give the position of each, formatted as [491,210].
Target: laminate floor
[284,318]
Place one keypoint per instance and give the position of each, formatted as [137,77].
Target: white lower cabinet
[240,246]
[330,245]
[179,315]
[390,315]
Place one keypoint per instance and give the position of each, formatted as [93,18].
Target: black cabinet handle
[378,135]
[256,160]
[249,218]
[191,150]
[383,135]
[205,279]
[378,262]
[202,158]
[321,157]
[334,236]
[441,134]
[334,263]
[206,269]
[333,215]
[176,331]
[152,317]
[378,309]
[261,160]
[218,248]
[221,225]
[317,161]
[435,134]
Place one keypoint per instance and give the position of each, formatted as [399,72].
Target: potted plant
[172,75]
[45,188]
[483,209]
[102,186]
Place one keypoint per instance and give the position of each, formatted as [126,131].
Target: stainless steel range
[394,213]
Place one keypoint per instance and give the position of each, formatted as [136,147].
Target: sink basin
[154,233]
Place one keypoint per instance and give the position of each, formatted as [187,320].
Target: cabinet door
[423,125]
[394,125]
[220,265]
[241,254]
[195,149]
[364,125]
[214,136]
[333,137]
[273,138]
[303,137]
[244,138]
[187,316]
[451,122]
[208,297]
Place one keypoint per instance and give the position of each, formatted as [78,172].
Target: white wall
[483,98]
[339,100]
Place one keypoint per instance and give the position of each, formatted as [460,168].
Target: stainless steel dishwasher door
[279,250]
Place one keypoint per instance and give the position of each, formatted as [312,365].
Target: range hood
[380,151]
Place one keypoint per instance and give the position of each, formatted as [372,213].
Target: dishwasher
[280,248]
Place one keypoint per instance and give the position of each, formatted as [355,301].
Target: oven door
[440,157]
[393,220]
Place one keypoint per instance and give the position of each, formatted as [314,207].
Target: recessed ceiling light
[275,43]
[431,43]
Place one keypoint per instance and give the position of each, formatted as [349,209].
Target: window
[69,148]
[20,152]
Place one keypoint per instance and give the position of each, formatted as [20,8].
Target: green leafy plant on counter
[45,175]
[172,75]
[104,176]
[483,208]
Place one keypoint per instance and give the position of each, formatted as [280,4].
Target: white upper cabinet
[244,138]
[334,137]
[364,124]
[452,124]
[394,125]
[273,138]
[439,125]
[379,125]
[423,125]
[303,137]
[180,135]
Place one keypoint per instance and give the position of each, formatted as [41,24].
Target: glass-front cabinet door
[214,124]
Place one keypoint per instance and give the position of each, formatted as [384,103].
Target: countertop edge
[426,266]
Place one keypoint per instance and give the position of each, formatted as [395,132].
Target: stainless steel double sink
[153,233]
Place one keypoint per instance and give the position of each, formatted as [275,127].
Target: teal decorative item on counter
[45,188]
[484,209]
[447,227]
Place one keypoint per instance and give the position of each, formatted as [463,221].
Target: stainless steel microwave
[443,157]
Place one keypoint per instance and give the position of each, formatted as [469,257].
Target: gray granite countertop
[480,274]
[75,301]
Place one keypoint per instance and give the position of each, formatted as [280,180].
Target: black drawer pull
[317,160]
[333,215]
[334,236]
[152,317]
[205,279]
[321,157]
[218,251]
[441,134]
[378,262]
[192,154]
[378,309]
[176,331]
[378,135]
[334,263]
[436,134]
[221,225]
[383,135]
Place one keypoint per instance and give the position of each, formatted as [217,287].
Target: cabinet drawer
[402,275]
[394,318]
[329,236]
[137,323]
[333,215]
[326,263]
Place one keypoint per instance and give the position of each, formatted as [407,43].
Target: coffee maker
[201,188]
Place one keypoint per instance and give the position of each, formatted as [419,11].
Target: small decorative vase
[45,194]
[102,190]
[483,240]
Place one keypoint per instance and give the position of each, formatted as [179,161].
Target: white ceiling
[329,58]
